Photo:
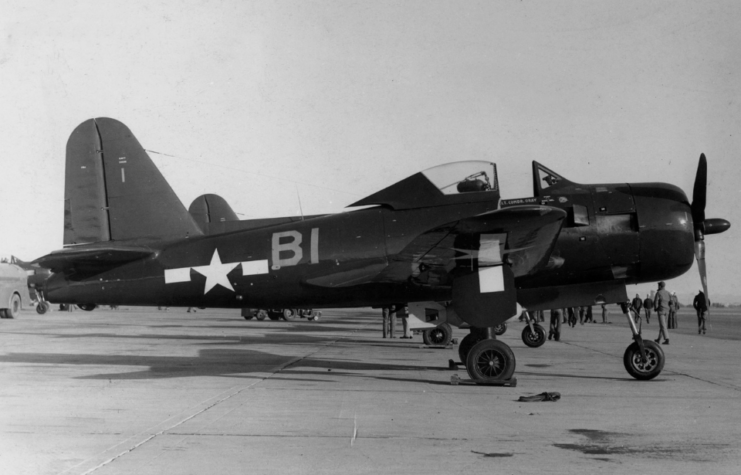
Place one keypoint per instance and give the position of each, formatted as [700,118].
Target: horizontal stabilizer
[88,258]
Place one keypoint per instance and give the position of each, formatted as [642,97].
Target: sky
[272,104]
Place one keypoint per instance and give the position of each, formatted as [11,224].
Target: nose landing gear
[643,359]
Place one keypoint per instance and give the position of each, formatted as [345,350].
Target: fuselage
[627,233]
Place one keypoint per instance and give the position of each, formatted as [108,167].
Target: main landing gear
[643,359]
[487,359]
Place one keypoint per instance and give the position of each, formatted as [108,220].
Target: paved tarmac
[138,391]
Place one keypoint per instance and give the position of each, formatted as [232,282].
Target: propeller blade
[700,256]
[699,192]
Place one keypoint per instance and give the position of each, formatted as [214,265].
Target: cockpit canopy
[457,182]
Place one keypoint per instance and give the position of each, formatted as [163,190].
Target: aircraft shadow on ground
[270,338]
[277,326]
[222,362]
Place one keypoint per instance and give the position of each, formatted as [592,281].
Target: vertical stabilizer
[113,190]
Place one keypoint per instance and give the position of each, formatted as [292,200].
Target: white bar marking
[123,176]
[255,267]
[491,279]
[177,275]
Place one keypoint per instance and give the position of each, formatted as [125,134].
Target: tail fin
[113,191]
[210,208]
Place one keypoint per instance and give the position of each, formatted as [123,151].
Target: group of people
[389,320]
[666,306]
[570,316]
[663,303]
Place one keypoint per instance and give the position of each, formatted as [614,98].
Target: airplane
[440,240]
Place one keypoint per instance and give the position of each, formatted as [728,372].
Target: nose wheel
[644,368]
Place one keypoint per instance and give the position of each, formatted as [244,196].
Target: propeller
[703,226]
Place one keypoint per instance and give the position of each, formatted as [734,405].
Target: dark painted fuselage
[615,233]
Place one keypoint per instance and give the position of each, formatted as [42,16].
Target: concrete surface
[152,392]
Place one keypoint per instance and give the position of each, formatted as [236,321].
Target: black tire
[275,314]
[438,336]
[654,360]
[42,308]
[533,339]
[289,314]
[88,307]
[261,315]
[2,313]
[466,344]
[500,329]
[248,317]
[490,360]
[14,306]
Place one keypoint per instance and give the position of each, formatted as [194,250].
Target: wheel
[88,307]
[248,317]
[654,360]
[490,360]
[466,344]
[261,315]
[42,308]
[2,313]
[533,339]
[14,306]
[440,335]
[289,314]
[500,329]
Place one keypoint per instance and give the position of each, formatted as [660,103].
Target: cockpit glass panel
[464,177]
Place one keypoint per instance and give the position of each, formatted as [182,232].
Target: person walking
[661,305]
[403,312]
[636,305]
[701,304]
[590,315]
[555,328]
[673,308]
[385,311]
[572,311]
[604,313]
[648,304]
[392,318]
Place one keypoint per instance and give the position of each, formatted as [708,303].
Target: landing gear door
[485,297]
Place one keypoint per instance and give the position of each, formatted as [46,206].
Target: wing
[522,236]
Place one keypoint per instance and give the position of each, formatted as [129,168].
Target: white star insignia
[216,273]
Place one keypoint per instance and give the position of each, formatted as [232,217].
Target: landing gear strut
[643,359]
